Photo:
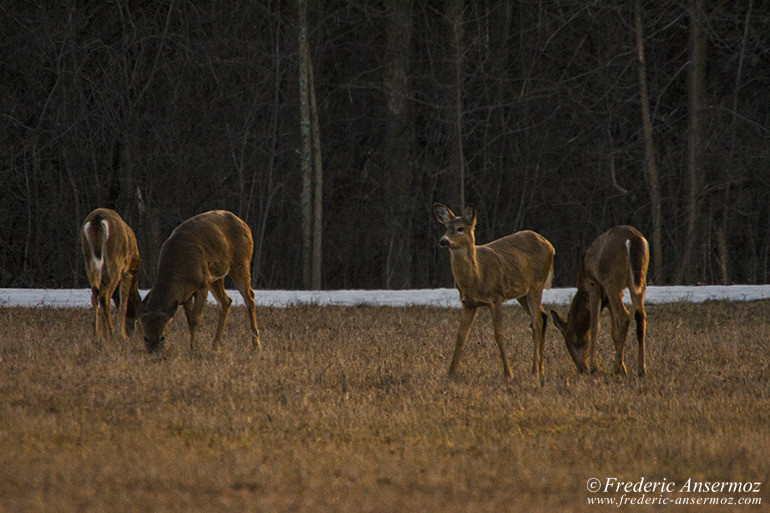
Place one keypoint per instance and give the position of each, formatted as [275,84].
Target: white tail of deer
[615,261]
[112,265]
[518,266]
[195,259]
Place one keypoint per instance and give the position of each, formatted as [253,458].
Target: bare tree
[312,181]
[315,135]
[696,138]
[161,110]
[454,17]
[306,156]
[397,148]
[649,151]
[735,171]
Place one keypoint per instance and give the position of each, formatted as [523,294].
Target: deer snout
[153,345]
[444,242]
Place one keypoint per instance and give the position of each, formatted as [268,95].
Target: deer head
[576,340]
[154,325]
[459,230]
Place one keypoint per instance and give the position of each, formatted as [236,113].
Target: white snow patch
[420,297]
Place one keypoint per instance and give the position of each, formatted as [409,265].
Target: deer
[194,260]
[112,264]
[615,261]
[518,266]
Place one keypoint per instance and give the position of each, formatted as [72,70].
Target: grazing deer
[615,261]
[518,266]
[195,259]
[112,266]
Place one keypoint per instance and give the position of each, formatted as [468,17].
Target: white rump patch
[97,263]
[105,236]
[628,246]
[106,227]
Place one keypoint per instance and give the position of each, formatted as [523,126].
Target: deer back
[199,251]
[616,260]
[513,265]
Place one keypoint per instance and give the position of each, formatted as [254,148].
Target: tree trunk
[454,17]
[649,152]
[268,192]
[736,170]
[306,157]
[696,136]
[317,180]
[398,145]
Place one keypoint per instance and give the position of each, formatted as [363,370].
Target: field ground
[350,409]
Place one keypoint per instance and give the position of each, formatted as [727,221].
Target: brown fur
[195,259]
[607,268]
[118,277]
[518,266]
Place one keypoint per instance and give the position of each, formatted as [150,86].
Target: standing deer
[517,266]
[195,259]
[615,261]
[112,265]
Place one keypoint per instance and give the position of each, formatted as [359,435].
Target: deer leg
[544,317]
[620,321]
[95,310]
[114,293]
[123,289]
[595,306]
[469,313]
[541,345]
[241,277]
[218,289]
[188,309]
[194,315]
[524,302]
[132,298]
[641,327]
[497,324]
[105,299]
[539,319]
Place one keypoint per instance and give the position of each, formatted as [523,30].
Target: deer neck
[164,292]
[465,267]
[579,316]
[158,299]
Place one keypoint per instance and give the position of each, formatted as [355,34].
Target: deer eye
[163,338]
[460,229]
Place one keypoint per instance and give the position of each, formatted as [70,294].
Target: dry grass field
[350,409]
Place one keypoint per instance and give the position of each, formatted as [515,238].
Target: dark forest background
[538,112]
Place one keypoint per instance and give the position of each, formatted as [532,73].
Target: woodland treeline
[565,117]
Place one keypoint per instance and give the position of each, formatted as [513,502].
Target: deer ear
[443,214]
[469,215]
[559,322]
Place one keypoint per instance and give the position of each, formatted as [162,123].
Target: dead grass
[349,409]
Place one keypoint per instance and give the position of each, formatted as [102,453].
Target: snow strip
[60,298]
